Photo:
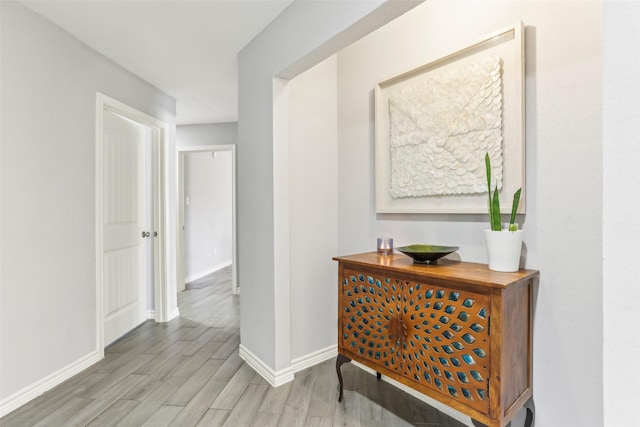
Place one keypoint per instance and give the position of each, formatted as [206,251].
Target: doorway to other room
[206,213]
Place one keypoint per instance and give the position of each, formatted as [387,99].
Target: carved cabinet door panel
[435,336]
[446,345]
[370,304]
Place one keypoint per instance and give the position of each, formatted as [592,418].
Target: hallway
[187,372]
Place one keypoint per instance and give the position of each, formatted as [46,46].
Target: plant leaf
[514,208]
[487,163]
[496,224]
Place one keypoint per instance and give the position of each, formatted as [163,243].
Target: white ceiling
[187,49]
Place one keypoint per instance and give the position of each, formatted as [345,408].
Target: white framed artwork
[435,123]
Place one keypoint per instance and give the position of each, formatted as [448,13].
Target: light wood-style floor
[187,373]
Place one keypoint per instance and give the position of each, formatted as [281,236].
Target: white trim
[180,253]
[175,312]
[151,314]
[312,359]
[277,378]
[160,131]
[34,390]
[274,378]
[180,279]
[99,221]
[209,270]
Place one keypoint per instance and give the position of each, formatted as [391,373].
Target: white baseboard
[274,378]
[151,314]
[16,400]
[172,315]
[285,375]
[196,276]
[311,359]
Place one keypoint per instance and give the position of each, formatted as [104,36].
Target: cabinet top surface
[466,272]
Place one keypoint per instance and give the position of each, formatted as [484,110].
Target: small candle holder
[385,245]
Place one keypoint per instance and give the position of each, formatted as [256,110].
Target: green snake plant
[494,203]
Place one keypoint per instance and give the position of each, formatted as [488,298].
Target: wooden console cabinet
[455,331]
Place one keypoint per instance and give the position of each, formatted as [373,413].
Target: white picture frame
[508,45]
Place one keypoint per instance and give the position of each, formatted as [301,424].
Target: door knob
[146,234]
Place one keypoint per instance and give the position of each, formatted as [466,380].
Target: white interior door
[125,229]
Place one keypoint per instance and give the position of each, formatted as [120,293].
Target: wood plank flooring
[188,373]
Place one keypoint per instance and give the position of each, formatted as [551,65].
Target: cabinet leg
[341,360]
[378,375]
[530,419]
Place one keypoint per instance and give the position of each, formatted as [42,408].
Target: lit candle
[385,245]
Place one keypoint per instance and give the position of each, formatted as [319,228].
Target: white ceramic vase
[503,249]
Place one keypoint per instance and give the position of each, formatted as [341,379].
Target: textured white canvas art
[441,128]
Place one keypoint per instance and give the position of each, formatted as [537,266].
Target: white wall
[621,203]
[49,84]
[564,145]
[313,208]
[303,35]
[207,134]
[207,217]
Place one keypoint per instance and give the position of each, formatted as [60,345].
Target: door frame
[235,288]
[160,141]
